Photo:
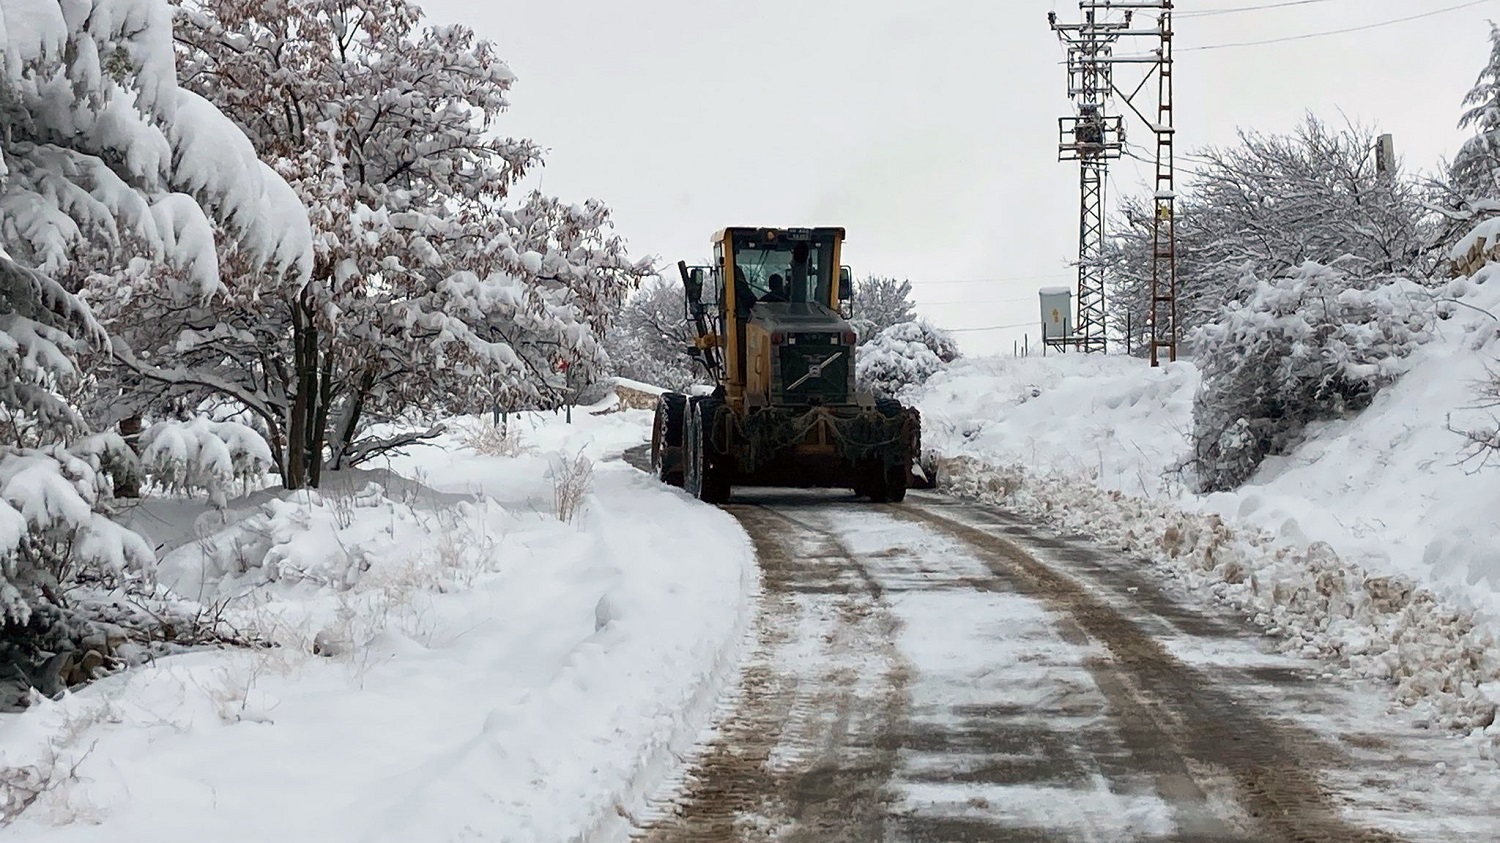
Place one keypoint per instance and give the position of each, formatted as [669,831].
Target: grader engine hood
[812,353]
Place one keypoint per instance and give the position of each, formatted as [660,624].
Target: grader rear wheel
[884,481]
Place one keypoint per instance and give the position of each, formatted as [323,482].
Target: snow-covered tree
[879,303]
[102,156]
[1270,203]
[1311,344]
[1475,171]
[903,356]
[1469,190]
[430,292]
[649,338]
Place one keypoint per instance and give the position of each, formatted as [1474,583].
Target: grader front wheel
[706,471]
[666,439]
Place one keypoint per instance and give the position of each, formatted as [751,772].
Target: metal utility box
[1057,314]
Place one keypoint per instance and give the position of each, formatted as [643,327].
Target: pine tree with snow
[879,303]
[102,157]
[431,292]
[1475,171]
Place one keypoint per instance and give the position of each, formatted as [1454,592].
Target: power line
[1306,36]
[969,302]
[921,283]
[1203,13]
[992,328]
[965,303]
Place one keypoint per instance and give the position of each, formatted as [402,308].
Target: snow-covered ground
[1373,543]
[452,659]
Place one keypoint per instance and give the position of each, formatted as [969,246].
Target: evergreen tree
[880,303]
[103,159]
[1475,171]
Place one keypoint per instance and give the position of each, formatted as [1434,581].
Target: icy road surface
[940,672]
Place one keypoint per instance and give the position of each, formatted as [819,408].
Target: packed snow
[1370,544]
[445,649]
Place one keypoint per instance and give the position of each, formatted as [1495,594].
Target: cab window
[805,265]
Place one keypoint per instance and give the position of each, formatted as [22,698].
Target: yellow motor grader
[784,411]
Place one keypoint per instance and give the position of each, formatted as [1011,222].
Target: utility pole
[1093,137]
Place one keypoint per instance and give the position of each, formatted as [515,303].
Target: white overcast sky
[927,129]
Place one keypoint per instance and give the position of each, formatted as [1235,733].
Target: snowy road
[939,672]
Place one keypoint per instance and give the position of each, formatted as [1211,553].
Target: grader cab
[784,410]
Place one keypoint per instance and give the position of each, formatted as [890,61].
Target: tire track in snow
[805,745]
[1178,724]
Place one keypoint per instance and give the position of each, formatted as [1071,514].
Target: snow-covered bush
[1313,344]
[903,356]
[491,440]
[878,303]
[204,454]
[572,481]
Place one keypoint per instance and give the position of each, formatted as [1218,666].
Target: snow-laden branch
[364,449]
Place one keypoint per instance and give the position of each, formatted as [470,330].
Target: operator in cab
[777,293]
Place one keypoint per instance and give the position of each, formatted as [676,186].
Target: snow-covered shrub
[491,440]
[204,454]
[903,356]
[1310,345]
[572,480]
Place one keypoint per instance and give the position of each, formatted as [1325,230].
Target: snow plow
[784,411]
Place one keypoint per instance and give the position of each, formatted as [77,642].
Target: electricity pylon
[1093,137]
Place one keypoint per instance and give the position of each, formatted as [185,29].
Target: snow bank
[1111,419]
[1371,544]
[449,660]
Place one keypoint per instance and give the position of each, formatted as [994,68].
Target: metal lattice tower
[1164,225]
[1092,137]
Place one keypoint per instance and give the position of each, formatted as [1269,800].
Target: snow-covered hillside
[445,656]
[1386,494]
